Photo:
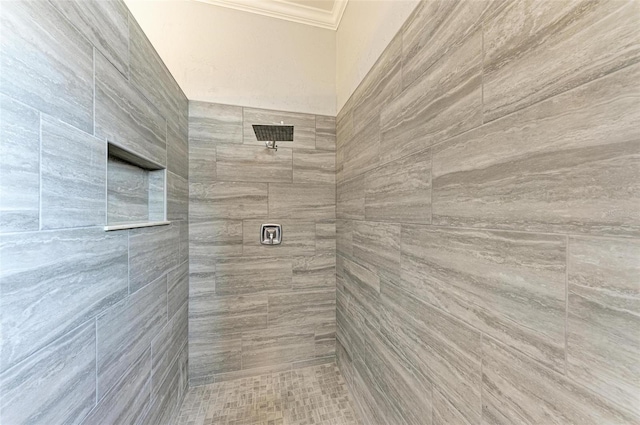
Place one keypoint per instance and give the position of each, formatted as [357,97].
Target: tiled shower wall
[94,323]
[488,226]
[255,308]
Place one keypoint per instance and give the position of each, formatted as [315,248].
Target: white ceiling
[319,13]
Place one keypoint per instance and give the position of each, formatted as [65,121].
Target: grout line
[39,170]
[482,73]
[96,328]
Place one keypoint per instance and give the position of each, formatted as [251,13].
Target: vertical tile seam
[39,170]
[96,362]
[482,74]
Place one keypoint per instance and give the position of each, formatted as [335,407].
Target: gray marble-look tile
[128,400]
[302,308]
[35,63]
[314,272]
[518,390]
[362,287]
[382,83]
[127,192]
[445,413]
[509,285]
[157,195]
[125,332]
[209,240]
[314,166]
[277,346]
[376,246]
[302,200]
[211,314]
[151,77]
[72,176]
[344,237]
[124,116]
[298,238]
[442,349]
[170,393]
[253,163]
[362,153]
[178,148]
[20,166]
[212,123]
[232,200]
[183,232]
[55,385]
[567,164]
[213,355]
[52,282]
[436,27]
[251,275]
[603,328]
[446,101]
[567,44]
[166,348]
[177,288]
[325,133]
[304,131]
[202,161]
[105,24]
[350,198]
[326,237]
[177,197]
[325,339]
[400,191]
[256,371]
[152,252]
[407,391]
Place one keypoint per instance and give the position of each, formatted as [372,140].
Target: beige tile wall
[488,217]
[255,308]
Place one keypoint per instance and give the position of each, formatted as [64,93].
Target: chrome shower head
[270,134]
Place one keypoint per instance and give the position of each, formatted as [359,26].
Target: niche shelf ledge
[135,225]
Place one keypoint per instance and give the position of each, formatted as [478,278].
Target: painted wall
[94,323]
[364,32]
[488,233]
[228,56]
[256,308]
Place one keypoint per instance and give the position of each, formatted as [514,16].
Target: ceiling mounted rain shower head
[270,134]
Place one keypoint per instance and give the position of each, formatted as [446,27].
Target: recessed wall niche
[136,190]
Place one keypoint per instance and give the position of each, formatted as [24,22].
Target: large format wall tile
[168,398]
[152,252]
[177,197]
[209,240]
[302,308]
[509,285]
[177,289]
[400,191]
[52,282]
[128,400]
[566,164]
[228,200]
[517,390]
[304,131]
[298,238]
[566,45]
[445,102]
[376,246]
[55,385]
[603,328]
[213,354]
[125,332]
[442,349]
[125,117]
[250,275]
[71,198]
[276,346]
[435,27]
[166,347]
[37,68]
[325,133]
[350,198]
[314,166]
[105,24]
[178,146]
[314,272]
[150,76]
[212,123]
[253,164]
[302,200]
[20,166]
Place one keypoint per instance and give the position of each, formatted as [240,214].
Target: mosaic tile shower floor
[314,395]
